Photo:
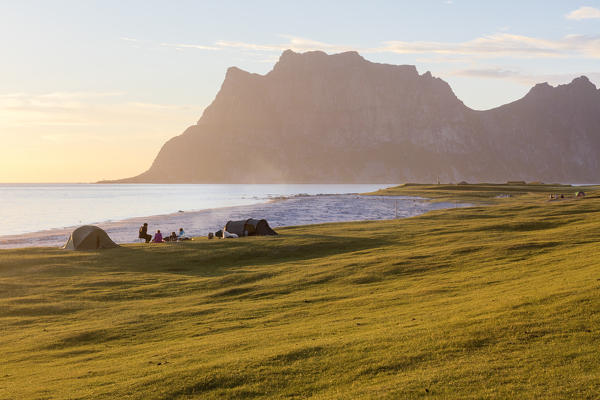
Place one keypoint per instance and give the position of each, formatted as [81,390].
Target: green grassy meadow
[497,301]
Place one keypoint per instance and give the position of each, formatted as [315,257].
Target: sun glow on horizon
[83,137]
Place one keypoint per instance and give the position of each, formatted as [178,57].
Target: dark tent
[89,237]
[250,227]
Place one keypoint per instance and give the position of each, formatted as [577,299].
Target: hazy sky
[91,89]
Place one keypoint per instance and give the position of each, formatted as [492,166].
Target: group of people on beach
[158,237]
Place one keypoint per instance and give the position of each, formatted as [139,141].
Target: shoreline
[108,224]
[66,206]
[299,209]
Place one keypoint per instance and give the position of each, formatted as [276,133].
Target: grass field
[483,193]
[499,301]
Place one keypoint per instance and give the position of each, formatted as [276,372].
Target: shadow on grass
[218,257]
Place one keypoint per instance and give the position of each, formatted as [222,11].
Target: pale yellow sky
[83,136]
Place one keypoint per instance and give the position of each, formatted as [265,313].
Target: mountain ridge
[340,118]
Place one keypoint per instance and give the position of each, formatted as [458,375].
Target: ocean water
[26,208]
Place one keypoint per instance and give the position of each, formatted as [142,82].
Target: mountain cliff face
[339,118]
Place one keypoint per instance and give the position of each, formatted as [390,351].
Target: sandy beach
[298,210]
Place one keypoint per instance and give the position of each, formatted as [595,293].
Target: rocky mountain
[340,118]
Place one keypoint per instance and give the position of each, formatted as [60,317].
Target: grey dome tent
[89,237]
[250,227]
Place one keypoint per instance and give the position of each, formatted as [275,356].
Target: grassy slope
[482,193]
[484,302]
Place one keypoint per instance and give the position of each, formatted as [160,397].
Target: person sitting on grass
[143,234]
[182,235]
[171,238]
[158,237]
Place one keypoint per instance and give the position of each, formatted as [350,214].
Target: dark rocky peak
[290,56]
[437,87]
[566,100]
[293,63]
[233,72]
[290,60]
[317,77]
[540,89]
[580,86]
[581,93]
[236,77]
[582,83]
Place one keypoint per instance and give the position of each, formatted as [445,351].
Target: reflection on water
[35,207]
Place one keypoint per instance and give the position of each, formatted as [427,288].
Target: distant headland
[340,118]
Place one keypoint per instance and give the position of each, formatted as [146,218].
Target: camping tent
[89,237]
[250,227]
